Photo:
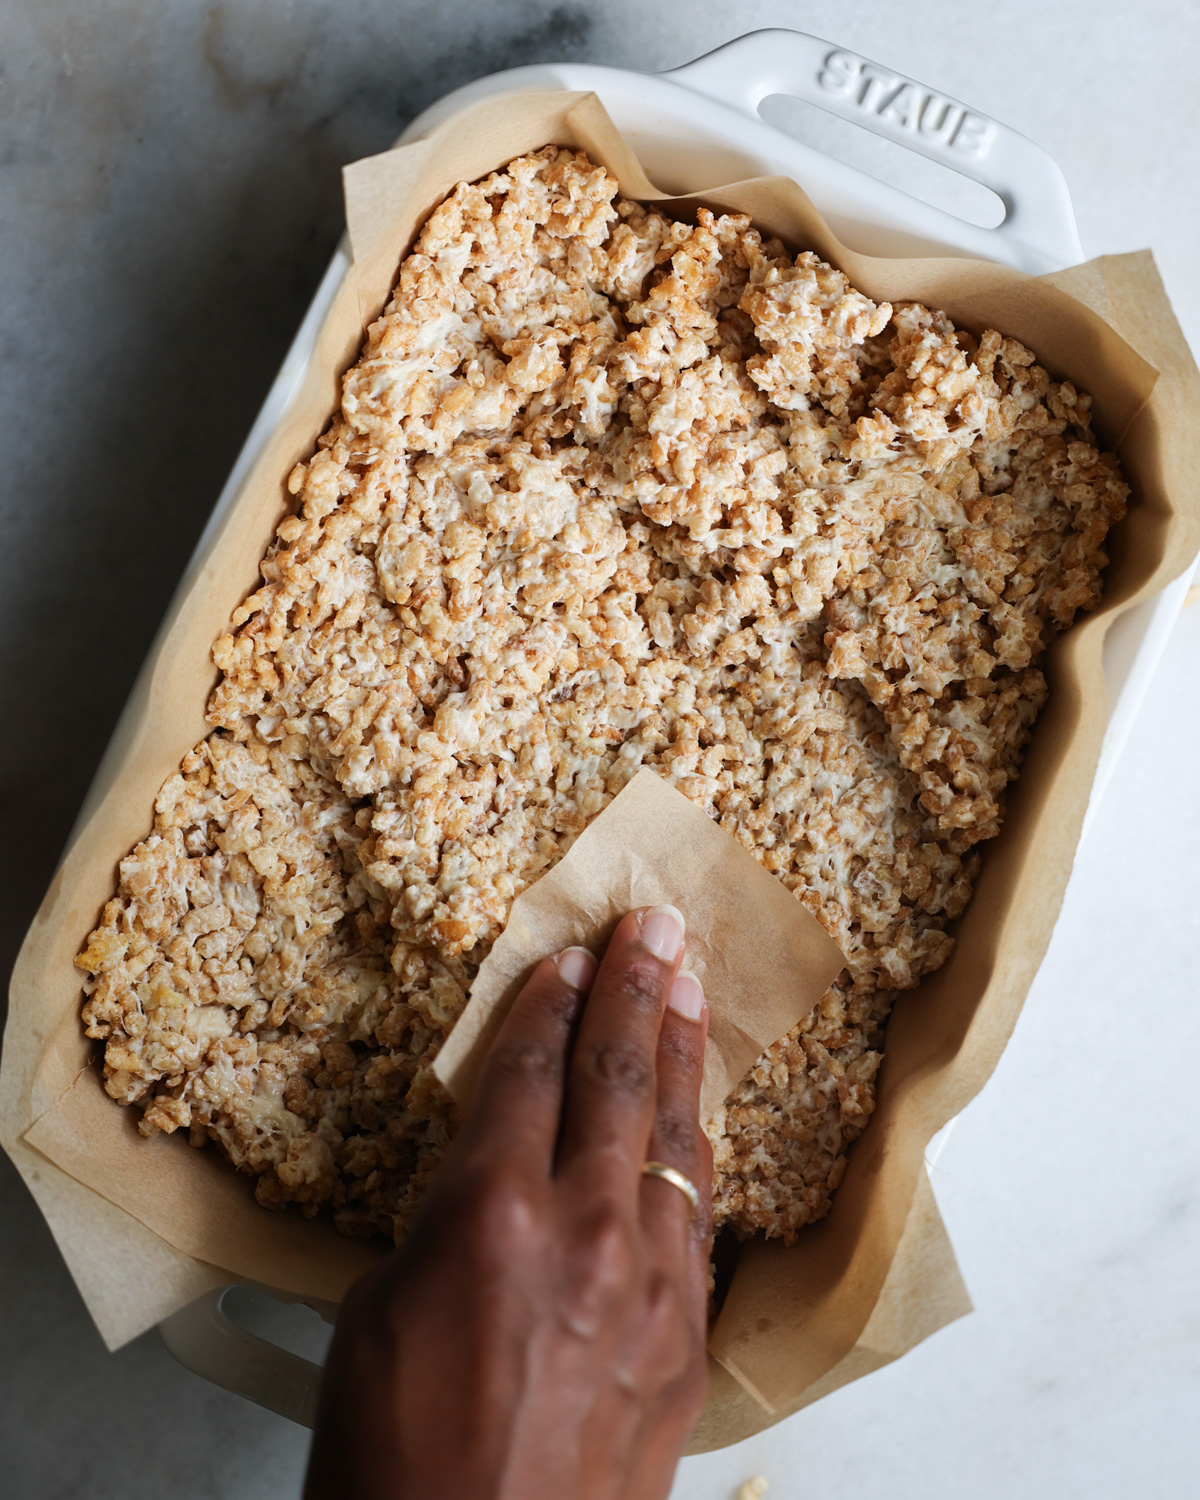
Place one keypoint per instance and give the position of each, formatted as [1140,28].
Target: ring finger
[677,1138]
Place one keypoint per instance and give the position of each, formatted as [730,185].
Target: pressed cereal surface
[605,490]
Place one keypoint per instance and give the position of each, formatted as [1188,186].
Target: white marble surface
[168,189]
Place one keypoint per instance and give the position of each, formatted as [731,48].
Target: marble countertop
[169,191]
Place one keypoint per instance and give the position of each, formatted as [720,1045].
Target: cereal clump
[605,491]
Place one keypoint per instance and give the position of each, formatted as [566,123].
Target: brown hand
[541,1334]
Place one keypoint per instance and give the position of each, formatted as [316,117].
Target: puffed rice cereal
[605,490]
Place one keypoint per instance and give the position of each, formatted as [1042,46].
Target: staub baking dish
[693,128]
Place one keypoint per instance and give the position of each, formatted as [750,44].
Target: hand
[541,1335]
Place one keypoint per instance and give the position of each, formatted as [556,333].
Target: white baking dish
[695,127]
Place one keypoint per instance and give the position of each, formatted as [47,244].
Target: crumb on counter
[605,490]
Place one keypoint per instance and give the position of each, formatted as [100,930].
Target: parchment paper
[764,960]
[147,1226]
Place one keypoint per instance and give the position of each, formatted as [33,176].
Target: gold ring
[668,1174]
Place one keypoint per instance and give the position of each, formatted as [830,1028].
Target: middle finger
[611,1083]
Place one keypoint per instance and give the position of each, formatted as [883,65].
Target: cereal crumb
[753,1489]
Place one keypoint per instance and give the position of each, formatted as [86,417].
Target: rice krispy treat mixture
[605,491]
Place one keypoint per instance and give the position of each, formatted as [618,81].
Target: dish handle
[1027,180]
[205,1340]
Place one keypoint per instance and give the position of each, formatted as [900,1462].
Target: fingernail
[661,929]
[577,967]
[687,996]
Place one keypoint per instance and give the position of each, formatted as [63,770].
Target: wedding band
[668,1174]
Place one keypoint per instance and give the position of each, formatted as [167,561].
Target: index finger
[611,1085]
[517,1106]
